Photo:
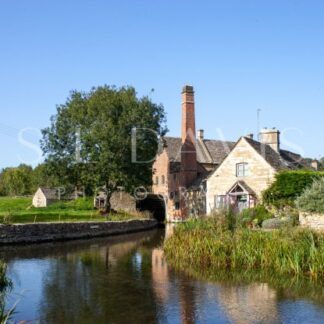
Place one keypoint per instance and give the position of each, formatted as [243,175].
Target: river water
[125,279]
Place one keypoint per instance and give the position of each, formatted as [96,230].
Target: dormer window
[242,169]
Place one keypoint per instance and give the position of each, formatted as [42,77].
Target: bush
[312,199]
[288,186]
[225,219]
[254,216]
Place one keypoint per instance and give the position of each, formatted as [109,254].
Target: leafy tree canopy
[16,181]
[89,142]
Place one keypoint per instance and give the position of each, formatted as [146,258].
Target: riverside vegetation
[221,242]
[20,210]
[5,287]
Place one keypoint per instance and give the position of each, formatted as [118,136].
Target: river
[125,279]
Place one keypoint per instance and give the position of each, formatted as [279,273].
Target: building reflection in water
[256,303]
[126,280]
[253,303]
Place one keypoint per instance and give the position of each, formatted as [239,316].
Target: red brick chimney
[188,150]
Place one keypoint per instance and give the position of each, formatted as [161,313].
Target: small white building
[44,197]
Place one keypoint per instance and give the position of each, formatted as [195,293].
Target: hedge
[288,186]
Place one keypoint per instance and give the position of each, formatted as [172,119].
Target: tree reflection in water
[126,279]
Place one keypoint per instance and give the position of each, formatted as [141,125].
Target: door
[242,202]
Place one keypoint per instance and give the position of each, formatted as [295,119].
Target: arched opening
[155,204]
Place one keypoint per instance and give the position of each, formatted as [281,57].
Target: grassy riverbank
[20,210]
[202,243]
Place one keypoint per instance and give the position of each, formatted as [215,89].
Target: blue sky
[239,55]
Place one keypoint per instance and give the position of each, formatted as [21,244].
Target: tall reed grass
[201,243]
[5,287]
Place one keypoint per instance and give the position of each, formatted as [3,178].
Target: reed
[201,243]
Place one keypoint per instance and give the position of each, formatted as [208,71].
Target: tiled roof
[284,160]
[50,193]
[208,151]
[219,149]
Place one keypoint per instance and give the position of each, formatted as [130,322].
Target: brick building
[182,167]
[196,175]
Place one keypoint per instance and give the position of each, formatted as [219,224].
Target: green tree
[44,176]
[16,181]
[312,199]
[89,141]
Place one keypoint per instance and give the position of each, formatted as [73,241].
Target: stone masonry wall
[313,221]
[261,174]
[45,232]
[123,201]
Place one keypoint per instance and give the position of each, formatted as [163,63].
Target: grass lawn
[20,210]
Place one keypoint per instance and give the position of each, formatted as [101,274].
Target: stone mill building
[196,175]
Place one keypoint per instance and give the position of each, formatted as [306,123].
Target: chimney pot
[201,134]
[251,136]
[188,89]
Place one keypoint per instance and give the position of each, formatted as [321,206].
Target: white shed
[44,197]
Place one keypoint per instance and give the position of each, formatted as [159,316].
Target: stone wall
[313,221]
[123,201]
[45,232]
[260,176]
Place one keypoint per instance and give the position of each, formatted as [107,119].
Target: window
[242,169]
[220,201]
[177,205]
[163,180]
[157,181]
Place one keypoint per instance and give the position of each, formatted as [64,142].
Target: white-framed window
[220,201]
[242,169]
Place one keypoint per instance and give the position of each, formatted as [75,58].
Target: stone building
[45,196]
[195,175]
[181,169]
[248,170]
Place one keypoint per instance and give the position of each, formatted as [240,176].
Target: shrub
[225,219]
[255,216]
[312,199]
[288,186]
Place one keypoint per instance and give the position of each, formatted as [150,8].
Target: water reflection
[127,280]
[255,303]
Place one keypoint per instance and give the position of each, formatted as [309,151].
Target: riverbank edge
[48,232]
